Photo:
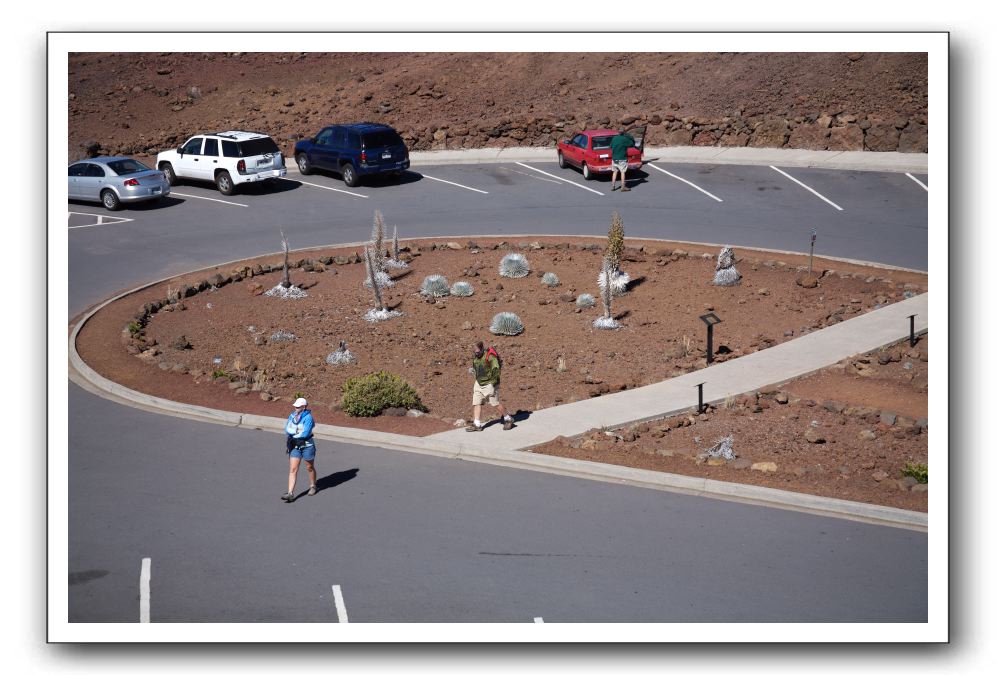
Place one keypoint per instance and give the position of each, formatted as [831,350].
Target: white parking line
[570,182]
[326,187]
[220,201]
[451,183]
[914,179]
[117,220]
[538,619]
[143,590]
[685,181]
[340,606]
[808,188]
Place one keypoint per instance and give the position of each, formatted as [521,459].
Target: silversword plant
[462,289]
[513,266]
[435,285]
[506,323]
[550,279]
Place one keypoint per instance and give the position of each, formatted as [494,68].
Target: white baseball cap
[300,403]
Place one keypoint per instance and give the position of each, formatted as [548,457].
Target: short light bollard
[710,320]
[701,407]
[912,334]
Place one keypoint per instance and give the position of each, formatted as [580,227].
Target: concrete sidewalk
[823,159]
[772,366]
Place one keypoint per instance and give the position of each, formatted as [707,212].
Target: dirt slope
[140,103]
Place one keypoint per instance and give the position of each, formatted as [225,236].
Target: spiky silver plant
[550,279]
[586,300]
[374,281]
[726,270]
[462,289]
[435,285]
[377,242]
[514,266]
[341,356]
[286,283]
[617,280]
[606,320]
[506,323]
[395,261]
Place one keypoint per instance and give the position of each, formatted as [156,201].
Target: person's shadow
[333,479]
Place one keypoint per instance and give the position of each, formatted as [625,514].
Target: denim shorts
[305,452]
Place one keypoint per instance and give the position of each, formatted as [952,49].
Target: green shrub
[918,471]
[369,395]
[219,372]
[134,327]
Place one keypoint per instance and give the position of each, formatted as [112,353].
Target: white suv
[228,159]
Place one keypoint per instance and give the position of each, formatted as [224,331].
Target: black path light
[710,320]
[912,334]
[812,245]
[701,407]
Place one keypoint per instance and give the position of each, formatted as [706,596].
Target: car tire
[167,170]
[110,200]
[561,161]
[586,172]
[224,182]
[349,176]
[303,165]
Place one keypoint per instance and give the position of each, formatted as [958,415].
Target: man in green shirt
[487,377]
[620,143]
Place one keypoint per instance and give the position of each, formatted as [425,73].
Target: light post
[710,320]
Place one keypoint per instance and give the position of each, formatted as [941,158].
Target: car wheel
[560,160]
[585,171]
[167,170]
[224,183]
[110,200]
[349,176]
[303,165]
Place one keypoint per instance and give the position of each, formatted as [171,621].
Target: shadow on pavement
[338,478]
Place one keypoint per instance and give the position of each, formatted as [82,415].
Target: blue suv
[353,150]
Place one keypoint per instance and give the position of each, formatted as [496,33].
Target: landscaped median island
[226,338]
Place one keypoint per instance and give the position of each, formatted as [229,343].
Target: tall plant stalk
[374,284]
[394,248]
[606,288]
[286,283]
[378,242]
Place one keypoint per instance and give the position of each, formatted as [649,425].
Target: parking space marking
[808,188]
[210,199]
[100,220]
[569,182]
[144,581]
[326,187]
[452,183]
[538,619]
[340,606]
[529,175]
[914,179]
[705,192]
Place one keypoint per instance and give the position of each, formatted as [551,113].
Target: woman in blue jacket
[300,445]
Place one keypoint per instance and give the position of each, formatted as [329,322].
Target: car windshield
[123,167]
[601,142]
[258,146]
[379,139]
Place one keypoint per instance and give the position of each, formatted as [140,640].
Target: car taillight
[241,166]
[131,182]
[363,156]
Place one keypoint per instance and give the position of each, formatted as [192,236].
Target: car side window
[579,141]
[324,138]
[77,170]
[193,146]
[211,147]
[354,140]
[94,171]
[230,149]
[339,136]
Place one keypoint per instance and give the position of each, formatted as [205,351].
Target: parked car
[589,150]
[228,159]
[113,181]
[354,151]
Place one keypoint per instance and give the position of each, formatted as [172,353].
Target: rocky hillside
[139,103]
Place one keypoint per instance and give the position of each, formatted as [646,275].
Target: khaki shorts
[487,391]
[620,165]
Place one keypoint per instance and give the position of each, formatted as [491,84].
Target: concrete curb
[856,160]
[86,377]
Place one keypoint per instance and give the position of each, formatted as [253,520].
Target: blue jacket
[301,427]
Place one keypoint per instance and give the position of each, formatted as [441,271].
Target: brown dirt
[848,405]
[429,345]
[141,103]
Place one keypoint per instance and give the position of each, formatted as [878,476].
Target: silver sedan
[113,181]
